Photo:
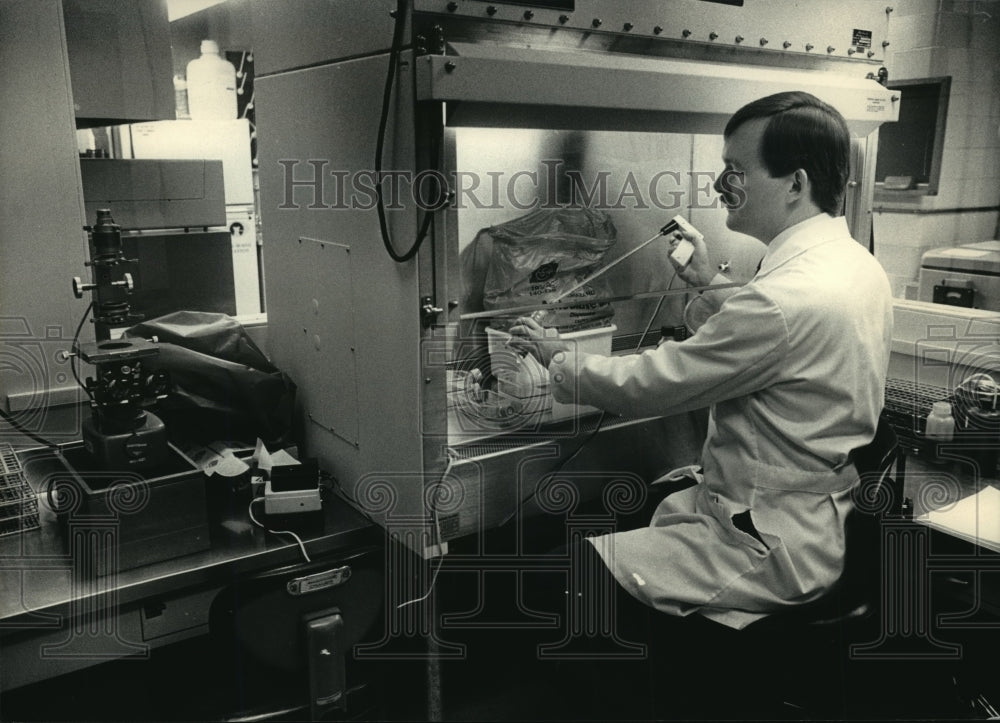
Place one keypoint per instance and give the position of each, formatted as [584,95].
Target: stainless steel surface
[498,478]
[36,569]
[324,295]
[155,194]
[357,293]
[613,91]
[803,26]
[311,32]
[861,187]
[318,112]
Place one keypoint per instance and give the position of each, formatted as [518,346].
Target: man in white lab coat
[792,366]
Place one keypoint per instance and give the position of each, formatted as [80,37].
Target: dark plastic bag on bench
[224,386]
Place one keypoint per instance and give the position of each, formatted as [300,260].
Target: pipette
[681,254]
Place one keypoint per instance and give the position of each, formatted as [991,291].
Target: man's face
[756,203]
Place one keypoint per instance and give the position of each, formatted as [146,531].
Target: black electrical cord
[27,432]
[394,51]
[554,473]
[12,421]
[74,347]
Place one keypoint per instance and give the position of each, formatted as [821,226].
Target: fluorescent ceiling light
[179,8]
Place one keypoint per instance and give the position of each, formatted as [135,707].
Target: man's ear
[799,185]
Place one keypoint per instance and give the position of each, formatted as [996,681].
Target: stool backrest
[875,496]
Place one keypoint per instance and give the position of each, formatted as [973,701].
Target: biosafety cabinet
[518,146]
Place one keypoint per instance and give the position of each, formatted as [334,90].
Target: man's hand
[698,271]
[541,342]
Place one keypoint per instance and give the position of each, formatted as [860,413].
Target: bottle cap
[942,409]
[209,47]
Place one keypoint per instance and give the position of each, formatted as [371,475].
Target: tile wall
[961,39]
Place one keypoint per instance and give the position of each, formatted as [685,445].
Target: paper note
[266,460]
[217,458]
[975,518]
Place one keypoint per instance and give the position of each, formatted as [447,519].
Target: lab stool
[797,663]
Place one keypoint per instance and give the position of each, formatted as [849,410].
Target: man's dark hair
[802,132]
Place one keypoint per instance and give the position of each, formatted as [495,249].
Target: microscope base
[144,447]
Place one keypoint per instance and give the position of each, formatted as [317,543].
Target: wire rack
[18,503]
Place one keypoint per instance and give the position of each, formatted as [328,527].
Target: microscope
[120,434]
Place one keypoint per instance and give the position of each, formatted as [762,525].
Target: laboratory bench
[75,626]
[940,561]
[120,646]
[958,513]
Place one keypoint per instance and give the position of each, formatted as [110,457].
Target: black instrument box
[129,518]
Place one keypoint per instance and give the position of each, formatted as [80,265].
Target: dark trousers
[580,587]
[630,660]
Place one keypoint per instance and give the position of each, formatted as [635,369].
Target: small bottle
[940,430]
[940,423]
[181,98]
[211,85]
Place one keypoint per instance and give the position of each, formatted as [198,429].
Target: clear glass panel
[538,211]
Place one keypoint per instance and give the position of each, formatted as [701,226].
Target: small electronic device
[292,488]
[685,249]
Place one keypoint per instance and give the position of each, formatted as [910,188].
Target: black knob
[452,7]
[627,26]
[564,19]
[117,390]
[713,35]
[491,10]
[596,23]
[657,30]
[157,384]
[685,33]
[528,14]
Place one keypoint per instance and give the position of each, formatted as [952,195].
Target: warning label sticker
[876,105]
[861,39]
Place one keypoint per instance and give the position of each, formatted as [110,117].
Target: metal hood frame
[502,86]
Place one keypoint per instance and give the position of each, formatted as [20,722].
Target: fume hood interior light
[177,9]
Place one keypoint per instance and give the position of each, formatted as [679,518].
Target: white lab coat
[793,365]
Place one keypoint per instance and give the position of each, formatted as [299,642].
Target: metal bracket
[431,43]
[428,312]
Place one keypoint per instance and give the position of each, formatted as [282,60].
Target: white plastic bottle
[940,423]
[211,85]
